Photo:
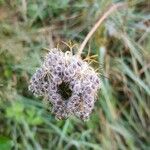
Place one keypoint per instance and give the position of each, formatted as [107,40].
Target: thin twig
[98,23]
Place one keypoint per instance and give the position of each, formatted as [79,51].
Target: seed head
[68,82]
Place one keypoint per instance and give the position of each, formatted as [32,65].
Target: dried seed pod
[60,112]
[58,68]
[57,80]
[52,87]
[77,88]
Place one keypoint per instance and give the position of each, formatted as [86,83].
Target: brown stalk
[109,11]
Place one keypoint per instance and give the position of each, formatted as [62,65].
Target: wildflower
[68,82]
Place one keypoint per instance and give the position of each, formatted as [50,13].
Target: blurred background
[121,117]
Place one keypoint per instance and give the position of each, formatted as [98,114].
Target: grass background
[121,117]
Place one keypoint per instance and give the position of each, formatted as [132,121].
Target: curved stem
[98,23]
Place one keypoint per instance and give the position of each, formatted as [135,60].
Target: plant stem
[98,23]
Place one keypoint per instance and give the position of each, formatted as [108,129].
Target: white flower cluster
[68,82]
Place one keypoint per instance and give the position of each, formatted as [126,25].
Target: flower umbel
[68,82]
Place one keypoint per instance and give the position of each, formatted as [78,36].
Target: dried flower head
[68,82]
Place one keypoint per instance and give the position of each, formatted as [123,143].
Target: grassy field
[121,118]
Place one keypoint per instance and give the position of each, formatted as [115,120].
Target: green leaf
[5,143]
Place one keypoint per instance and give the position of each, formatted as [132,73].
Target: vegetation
[121,116]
